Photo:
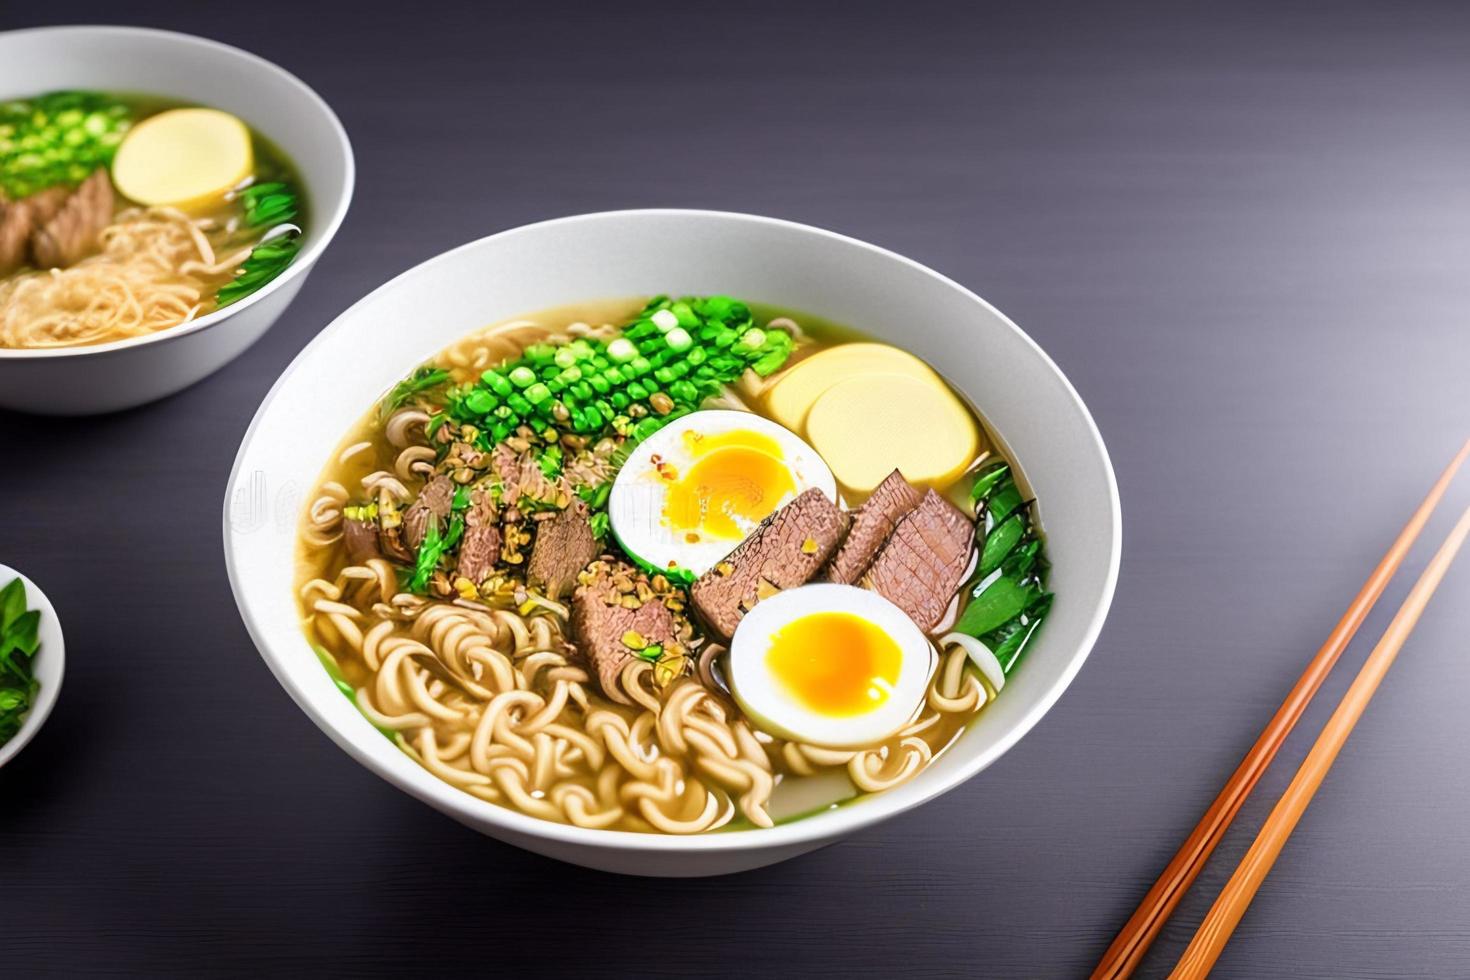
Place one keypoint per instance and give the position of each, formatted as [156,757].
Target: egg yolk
[835,663]
[736,480]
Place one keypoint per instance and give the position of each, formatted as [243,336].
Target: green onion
[423,379]
[59,138]
[522,377]
[265,262]
[19,641]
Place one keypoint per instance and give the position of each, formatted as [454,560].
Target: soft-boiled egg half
[694,489]
[832,665]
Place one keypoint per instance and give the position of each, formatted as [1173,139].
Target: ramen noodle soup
[671,566]
[121,216]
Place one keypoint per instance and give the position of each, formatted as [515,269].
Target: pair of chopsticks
[1123,956]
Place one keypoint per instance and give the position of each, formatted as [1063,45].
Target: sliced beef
[434,500]
[360,535]
[784,551]
[390,540]
[479,549]
[602,620]
[564,546]
[872,523]
[19,221]
[15,235]
[70,235]
[920,567]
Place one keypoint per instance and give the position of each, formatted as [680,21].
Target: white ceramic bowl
[107,377]
[48,667]
[629,253]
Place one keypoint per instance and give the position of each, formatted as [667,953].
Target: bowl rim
[52,650]
[303,262]
[811,830]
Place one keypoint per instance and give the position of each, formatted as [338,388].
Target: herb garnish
[266,261]
[18,644]
[1008,596]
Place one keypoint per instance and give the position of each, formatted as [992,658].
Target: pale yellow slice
[794,392]
[866,426]
[183,158]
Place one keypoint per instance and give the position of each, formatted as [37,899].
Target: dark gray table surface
[1241,231]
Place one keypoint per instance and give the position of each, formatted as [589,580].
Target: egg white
[774,709]
[637,505]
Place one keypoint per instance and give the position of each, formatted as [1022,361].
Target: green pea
[622,350]
[480,401]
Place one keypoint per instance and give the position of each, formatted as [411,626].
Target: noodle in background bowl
[1018,389]
[107,377]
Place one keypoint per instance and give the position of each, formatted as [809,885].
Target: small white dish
[107,377]
[47,668]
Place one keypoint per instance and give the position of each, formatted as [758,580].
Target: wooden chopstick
[1214,932]
[1123,956]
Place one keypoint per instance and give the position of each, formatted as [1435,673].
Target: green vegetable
[995,605]
[58,138]
[269,204]
[673,353]
[18,645]
[1000,541]
[651,652]
[430,551]
[423,379]
[1008,597]
[265,263]
[1011,639]
[551,459]
[987,481]
[436,544]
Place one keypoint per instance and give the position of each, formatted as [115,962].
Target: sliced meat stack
[787,549]
[872,523]
[564,546]
[71,234]
[55,227]
[922,564]
[615,615]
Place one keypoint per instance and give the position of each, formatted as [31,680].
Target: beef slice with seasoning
[360,535]
[70,235]
[872,523]
[564,546]
[434,500]
[601,624]
[785,550]
[479,549]
[922,564]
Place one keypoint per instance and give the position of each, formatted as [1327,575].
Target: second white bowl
[107,377]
